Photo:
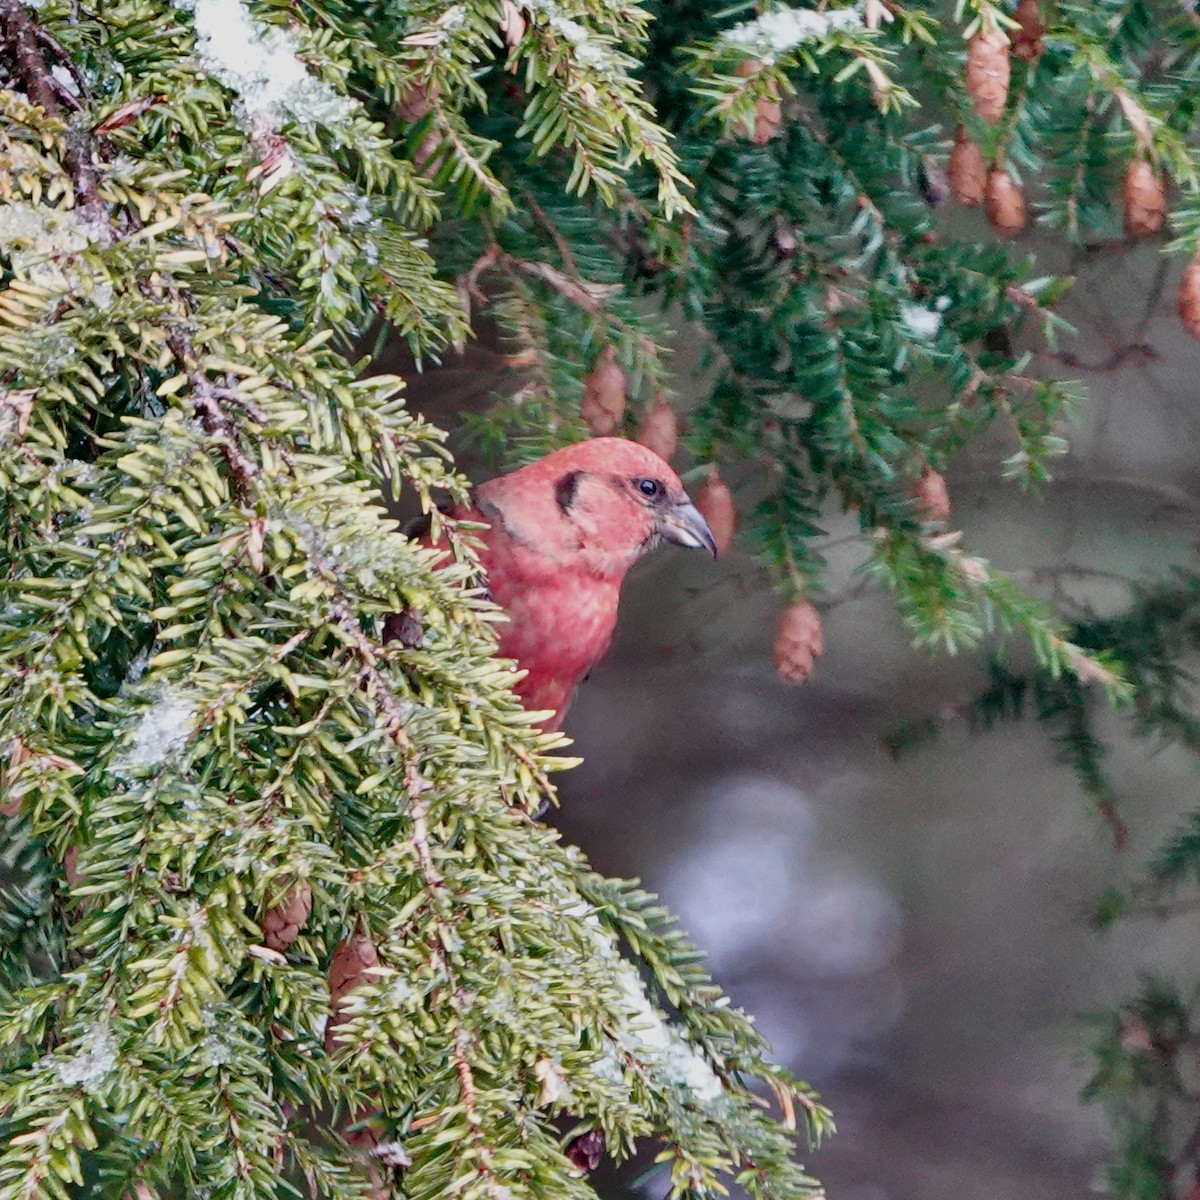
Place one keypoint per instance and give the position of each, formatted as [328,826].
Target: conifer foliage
[277,917]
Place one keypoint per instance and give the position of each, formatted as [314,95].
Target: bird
[561,535]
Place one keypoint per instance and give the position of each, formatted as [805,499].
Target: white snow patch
[95,1060]
[137,667]
[35,239]
[587,51]
[65,79]
[775,33]
[260,64]
[164,728]
[921,322]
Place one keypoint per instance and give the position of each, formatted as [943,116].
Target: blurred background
[914,935]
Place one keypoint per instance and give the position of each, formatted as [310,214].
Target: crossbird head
[596,507]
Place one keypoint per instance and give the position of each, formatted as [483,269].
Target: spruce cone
[1189,297]
[282,922]
[1027,39]
[1005,203]
[768,120]
[768,112]
[715,502]
[968,171]
[603,403]
[660,430]
[988,73]
[1145,199]
[587,1150]
[799,642]
[347,970]
[933,497]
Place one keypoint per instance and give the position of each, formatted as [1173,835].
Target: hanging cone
[1189,297]
[988,73]
[282,922]
[1005,203]
[715,502]
[933,497]
[1027,42]
[799,642]
[968,171]
[1145,199]
[768,112]
[660,430]
[603,403]
[347,970]
[768,120]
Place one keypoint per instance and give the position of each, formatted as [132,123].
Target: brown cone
[768,120]
[799,642]
[968,171]
[1145,199]
[282,922]
[768,113]
[1005,203]
[715,502]
[1189,297]
[603,403]
[347,970]
[933,497]
[1027,38]
[988,73]
[660,430]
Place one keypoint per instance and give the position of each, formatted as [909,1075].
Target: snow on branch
[260,64]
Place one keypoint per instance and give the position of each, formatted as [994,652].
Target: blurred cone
[1005,203]
[1027,37]
[715,502]
[282,922]
[968,171]
[603,403]
[1145,199]
[988,73]
[1189,297]
[768,112]
[660,430]
[347,970]
[933,497]
[799,642]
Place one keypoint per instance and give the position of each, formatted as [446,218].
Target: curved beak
[683,525]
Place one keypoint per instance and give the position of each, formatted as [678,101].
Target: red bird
[562,532]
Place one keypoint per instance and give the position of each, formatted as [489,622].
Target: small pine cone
[1005,203]
[768,112]
[715,502]
[799,642]
[587,1150]
[660,430]
[933,497]
[768,120]
[282,922]
[988,73]
[347,970]
[1145,199]
[603,403]
[1189,297]
[968,171]
[1027,38]
[414,106]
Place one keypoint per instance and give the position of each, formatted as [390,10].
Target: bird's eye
[649,487]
